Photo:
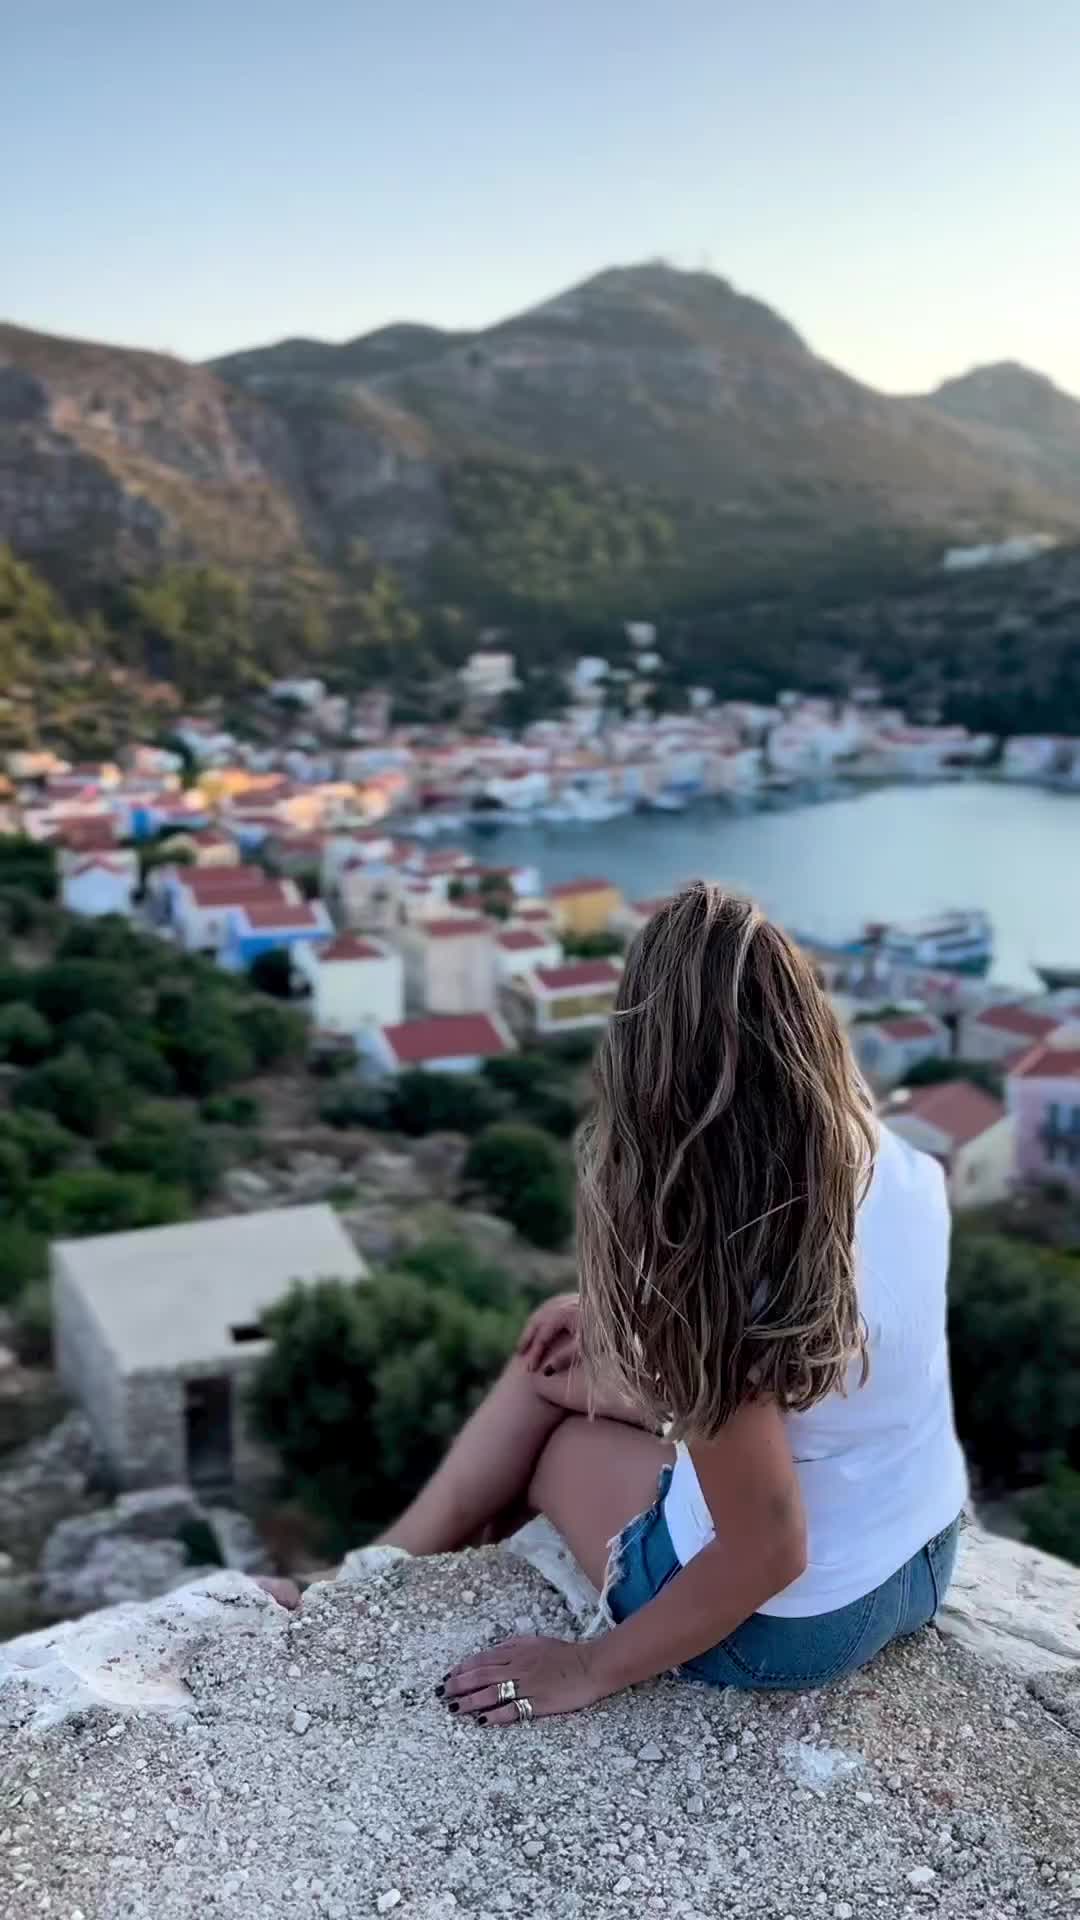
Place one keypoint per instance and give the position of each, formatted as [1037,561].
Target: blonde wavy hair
[720,1173]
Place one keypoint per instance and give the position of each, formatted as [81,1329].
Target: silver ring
[524,1708]
[506,1690]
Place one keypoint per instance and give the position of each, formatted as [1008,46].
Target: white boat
[958,942]
[666,802]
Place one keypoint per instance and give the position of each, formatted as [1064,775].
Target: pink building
[1042,1092]
[888,1048]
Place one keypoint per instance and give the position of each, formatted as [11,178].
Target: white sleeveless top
[880,1469]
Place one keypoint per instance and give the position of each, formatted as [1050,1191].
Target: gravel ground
[315,1774]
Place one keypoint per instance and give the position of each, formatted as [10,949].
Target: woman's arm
[748,1478]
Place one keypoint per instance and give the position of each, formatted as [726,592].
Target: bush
[14,1176]
[45,1144]
[419,1103]
[273,1033]
[208,1054]
[527,1178]
[1051,1514]
[25,1035]
[356,1105]
[591,946]
[230,1110]
[169,1145]
[21,912]
[365,1386]
[24,1259]
[93,1200]
[1014,1331]
[29,865]
[271,973]
[98,1034]
[82,1097]
[32,1325]
[70,987]
[448,1262]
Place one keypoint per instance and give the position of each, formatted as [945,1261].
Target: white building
[450,964]
[156,1334]
[566,998]
[888,1048]
[487,675]
[355,982]
[966,1129]
[98,885]
[1002,1031]
[519,949]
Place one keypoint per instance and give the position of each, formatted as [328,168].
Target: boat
[961,941]
[665,802]
[1059,979]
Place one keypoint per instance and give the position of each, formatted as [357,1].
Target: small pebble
[115,1730]
[650,1751]
[388,1900]
[469,1597]
[843,1911]
[294,1671]
[300,1721]
[696,1804]
[921,1877]
[532,1848]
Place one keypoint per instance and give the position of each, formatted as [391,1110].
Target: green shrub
[356,1105]
[420,1102]
[45,1143]
[24,1258]
[230,1110]
[70,987]
[83,1097]
[271,972]
[94,1200]
[168,1144]
[32,1324]
[25,1035]
[527,1178]
[1051,1514]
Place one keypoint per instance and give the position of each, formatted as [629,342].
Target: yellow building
[585,906]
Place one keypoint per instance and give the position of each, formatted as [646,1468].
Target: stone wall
[86,1366]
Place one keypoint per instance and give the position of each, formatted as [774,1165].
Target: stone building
[157,1332]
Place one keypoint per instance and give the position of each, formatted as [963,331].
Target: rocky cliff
[210,1752]
[671,384]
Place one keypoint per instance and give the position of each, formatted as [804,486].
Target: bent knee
[556,1464]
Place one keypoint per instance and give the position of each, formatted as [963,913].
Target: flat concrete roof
[169,1297]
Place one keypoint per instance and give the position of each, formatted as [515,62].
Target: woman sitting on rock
[742,1425]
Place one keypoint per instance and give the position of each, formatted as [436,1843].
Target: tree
[931,1072]
[591,946]
[168,1144]
[1051,1514]
[85,1098]
[29,865]
[24,1258]
[273,1033]
[1014,1332]
[44,1143]
[271,972]
[364,1386]
[91,1200]
[527,1178]
[25,1035]
[420,1102]
[71,987]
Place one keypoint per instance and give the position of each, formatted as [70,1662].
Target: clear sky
[901,178]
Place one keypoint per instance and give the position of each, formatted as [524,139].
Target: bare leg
[489,1468]
[591,1479]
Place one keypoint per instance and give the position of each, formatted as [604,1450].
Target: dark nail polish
[453,1706]
[439,1691]
[548,1371]
[481,1719]
[446,1676]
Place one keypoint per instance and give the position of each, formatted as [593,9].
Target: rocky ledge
[209,1752]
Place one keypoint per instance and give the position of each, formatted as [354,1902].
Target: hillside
[1031,421]
[665,438]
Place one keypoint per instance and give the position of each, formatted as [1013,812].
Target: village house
[537,914]
[562,999]
[585,906]
[519,949]
[450,963]
[1042,1092]
[261,926]
[354,981]
[635,914]
[888,1048]
[452,1043]
[97,885]
[156,1335]
[1000,1032]
[198,901]
[966,1129]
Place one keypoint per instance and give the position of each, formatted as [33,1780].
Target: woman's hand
[550,1340]
[554,1676]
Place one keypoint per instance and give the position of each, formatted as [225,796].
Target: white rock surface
[211,1753]
[1013,1604]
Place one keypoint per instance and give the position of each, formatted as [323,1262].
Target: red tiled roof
[450,929]
[102,865]
[648,907]
[349,946]
[525,912]
[1048,1063]
[454,1036]
[1023,1021]
[956,1107]
[265,915]
[88,836]
[907,1026]
[220,886]
[578,973]
[519,939]
[569,887]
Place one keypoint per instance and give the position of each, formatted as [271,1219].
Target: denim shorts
[773,1652]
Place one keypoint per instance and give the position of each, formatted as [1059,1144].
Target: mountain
[1032,421]
[647,438]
